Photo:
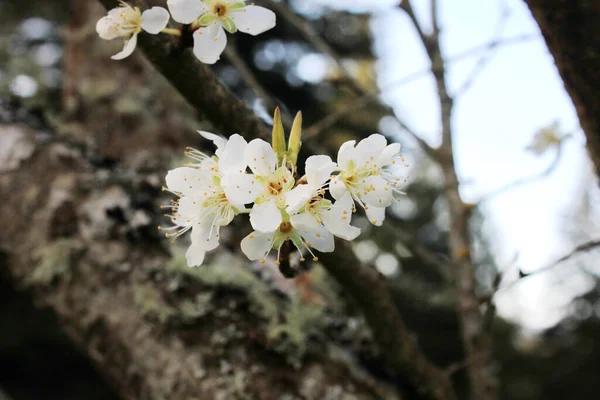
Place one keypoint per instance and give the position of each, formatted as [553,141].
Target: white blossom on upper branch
[211,18]
[127,22]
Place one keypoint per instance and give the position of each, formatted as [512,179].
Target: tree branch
[397,345]
[476,339]
[197,83]
[309,34]
[572,34]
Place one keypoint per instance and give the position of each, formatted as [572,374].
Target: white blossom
[274,180]
[309,198]
[364,174]
[302,230]
[127,22]
[213,17]
[212,191]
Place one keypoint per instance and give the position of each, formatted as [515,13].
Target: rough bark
[572,34]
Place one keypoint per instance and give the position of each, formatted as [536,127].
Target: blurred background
[112,129]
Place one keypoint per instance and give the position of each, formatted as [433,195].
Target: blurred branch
[524,181]
[426,256]
[196,82]
[311,36]
[582,248]
[485,58]
[233,56]
[398,349]
[476,340]
[333,118]
[571,31]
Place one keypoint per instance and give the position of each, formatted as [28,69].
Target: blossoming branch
[307,211]
[208,19]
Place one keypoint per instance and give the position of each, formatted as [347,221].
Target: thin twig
[524,181]
[311,36]
[333,118]
[485,58]
[582,248]
[249,78]
[459,366]
[476,340]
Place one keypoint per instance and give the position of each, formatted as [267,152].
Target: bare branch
[582,248]
[398,348]
[476,339]
[524,181]
[197,83]
[310,35]
[331,119]
[485,58]
[249,78]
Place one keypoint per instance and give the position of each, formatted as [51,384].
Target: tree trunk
[572,33]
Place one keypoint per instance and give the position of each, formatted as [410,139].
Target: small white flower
[310,198]
[302,230]
[212,192]
[275,181]
[213,16]
[365,175]
[127,22]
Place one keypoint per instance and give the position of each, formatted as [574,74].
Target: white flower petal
[240,188]
[314,234]
[369,149]
[257,245]
[155,20]
[128,49]
[187,211]
[265,217]
[346,154]
[378,191]
[296,198]
[386,156]
[219,141]
[337,188]
[209,43]
[261,157]
[318,170]
[105,28]
[205,235]
[253,20]
[194,256]
[187,181]
[337,219]
[231,159]
[376,215]
[186,11]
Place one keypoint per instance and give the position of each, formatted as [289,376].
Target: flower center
[220,9]
[285,227]
[275,187]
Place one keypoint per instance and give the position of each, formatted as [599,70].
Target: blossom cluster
[259,179]
[208,19]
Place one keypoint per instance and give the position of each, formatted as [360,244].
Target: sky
[517,93]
